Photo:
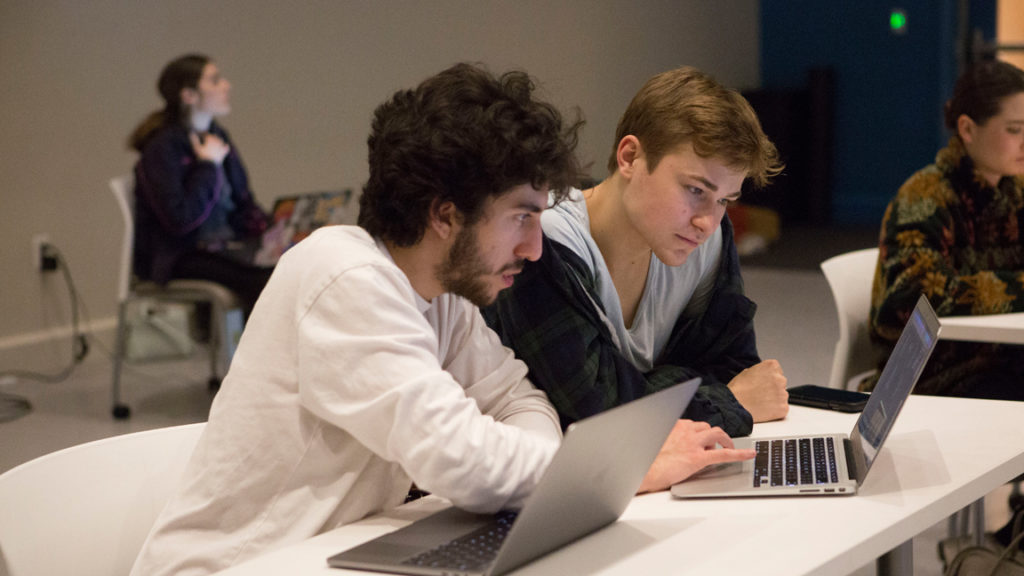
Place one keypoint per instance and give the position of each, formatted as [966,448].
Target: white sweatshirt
[346,388]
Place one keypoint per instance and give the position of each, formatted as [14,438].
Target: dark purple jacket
[175,193]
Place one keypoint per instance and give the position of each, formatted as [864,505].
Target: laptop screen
[295,217]
[897,380]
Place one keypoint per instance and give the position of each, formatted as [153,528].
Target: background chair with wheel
[226,317]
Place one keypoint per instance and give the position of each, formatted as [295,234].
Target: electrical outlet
[42,259]
[38,242]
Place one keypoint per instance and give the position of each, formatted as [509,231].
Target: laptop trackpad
[719,470]
[374,550]
[725,468]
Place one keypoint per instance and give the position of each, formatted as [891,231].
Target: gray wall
[78,75]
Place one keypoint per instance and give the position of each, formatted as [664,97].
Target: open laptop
[292,219]
[590,481]
[295,217]
[828,464]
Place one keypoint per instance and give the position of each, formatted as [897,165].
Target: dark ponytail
[180,73]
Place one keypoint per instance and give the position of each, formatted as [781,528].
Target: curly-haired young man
[366,367]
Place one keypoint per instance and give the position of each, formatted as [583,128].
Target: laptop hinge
[851,462]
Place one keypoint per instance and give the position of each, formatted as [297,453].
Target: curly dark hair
[461,136]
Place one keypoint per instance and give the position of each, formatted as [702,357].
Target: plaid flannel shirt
[550,318]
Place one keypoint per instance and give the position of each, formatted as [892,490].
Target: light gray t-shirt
[669,292]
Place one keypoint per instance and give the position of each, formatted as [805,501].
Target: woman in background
[195,215]
[953,233]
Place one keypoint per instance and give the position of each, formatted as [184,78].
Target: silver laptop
[829,464]
[590,481]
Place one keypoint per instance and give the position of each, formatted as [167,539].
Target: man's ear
[627,154]
[965,127]
[444,218]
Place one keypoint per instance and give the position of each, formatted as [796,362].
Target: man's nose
[531,246]
[704,219]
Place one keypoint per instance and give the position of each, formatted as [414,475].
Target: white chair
[87,510]
[850,276]
[226,318]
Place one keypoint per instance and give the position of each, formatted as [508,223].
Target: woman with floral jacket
[953,233]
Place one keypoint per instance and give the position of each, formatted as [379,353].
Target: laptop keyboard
[473,551]
[795,462]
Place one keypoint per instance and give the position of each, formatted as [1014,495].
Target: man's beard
[464,270]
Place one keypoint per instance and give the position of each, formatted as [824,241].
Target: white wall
[78,75]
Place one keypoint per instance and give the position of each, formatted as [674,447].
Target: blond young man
[639,285]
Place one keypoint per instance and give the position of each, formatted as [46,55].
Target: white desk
[913,484]
[1000,328]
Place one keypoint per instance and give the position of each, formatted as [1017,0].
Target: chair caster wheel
[121,411]
[213,384]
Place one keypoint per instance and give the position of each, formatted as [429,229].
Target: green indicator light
[897,20]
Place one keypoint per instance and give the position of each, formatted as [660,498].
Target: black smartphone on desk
[827,398]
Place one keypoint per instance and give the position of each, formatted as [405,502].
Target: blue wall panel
[889,87]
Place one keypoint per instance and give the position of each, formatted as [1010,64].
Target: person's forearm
[537,422]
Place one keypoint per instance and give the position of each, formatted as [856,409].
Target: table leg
[979,521]
[897,562]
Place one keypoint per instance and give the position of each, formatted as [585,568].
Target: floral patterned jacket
[957,239]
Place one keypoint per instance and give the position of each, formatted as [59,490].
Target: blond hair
[686,105]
